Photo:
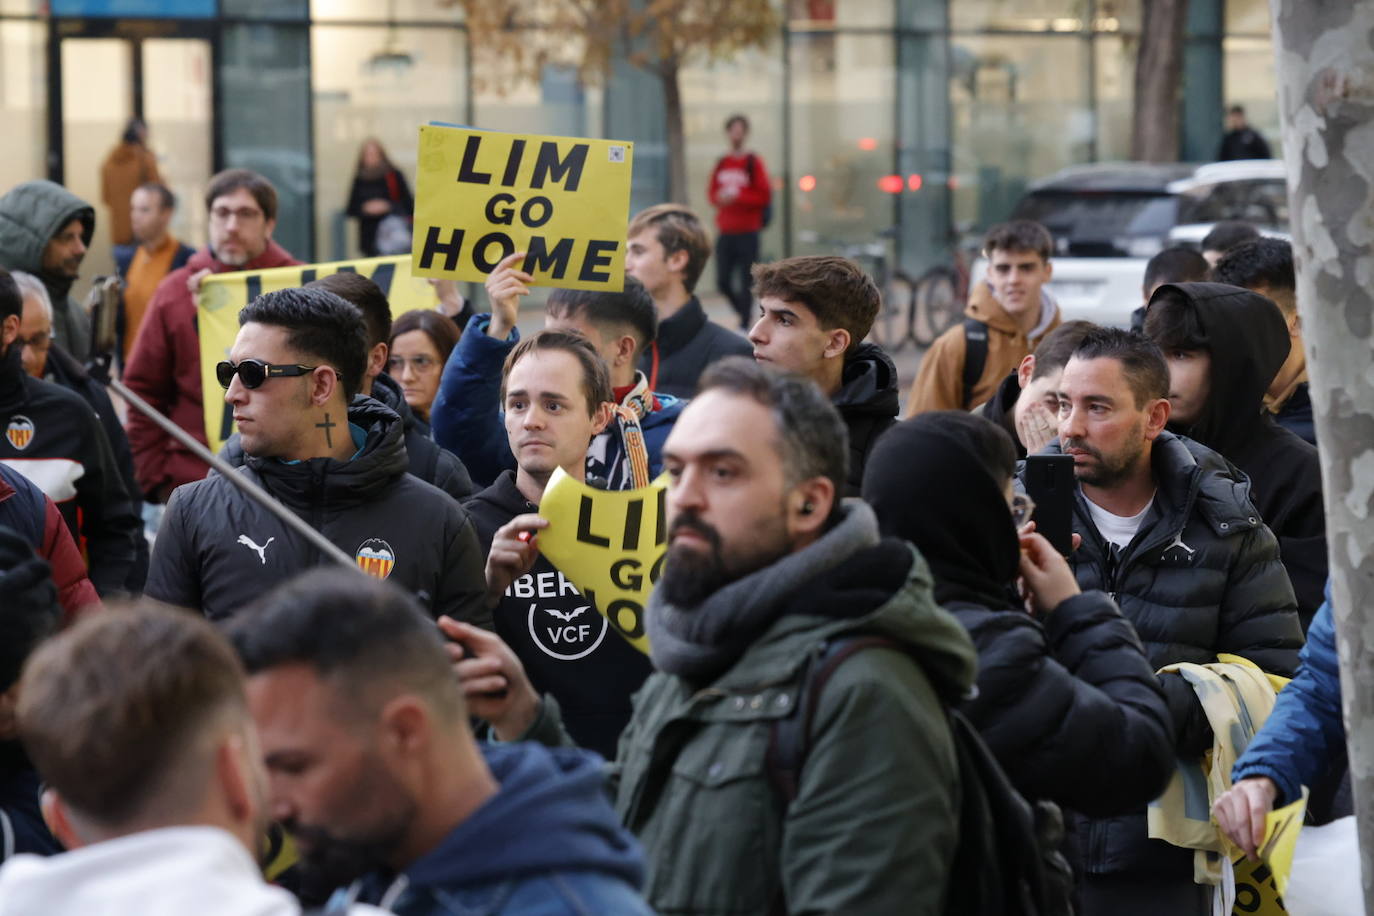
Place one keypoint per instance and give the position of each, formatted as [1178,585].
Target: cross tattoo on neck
[327,425]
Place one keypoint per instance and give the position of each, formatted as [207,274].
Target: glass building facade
[893,125]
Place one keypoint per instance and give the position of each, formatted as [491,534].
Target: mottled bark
[1326,78]
[1158,71]
[677,134]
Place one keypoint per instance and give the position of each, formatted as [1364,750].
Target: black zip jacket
[1249,341]
[1202,576]
[567,647]
[867,402]
[218,550]
[687,343]
[54,438]
[424,458]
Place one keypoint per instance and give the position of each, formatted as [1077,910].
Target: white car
[1109,219]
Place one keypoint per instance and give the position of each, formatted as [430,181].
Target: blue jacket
[1304,733]
[467,417]
[547,843]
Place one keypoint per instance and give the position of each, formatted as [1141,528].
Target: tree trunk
[1326,98]
[1158,71]
[677,140]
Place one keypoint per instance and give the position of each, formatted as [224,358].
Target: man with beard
[375,772]
[164,367]
[556,396]
[45,230]
[765,565]
[138,723]
[1169,531]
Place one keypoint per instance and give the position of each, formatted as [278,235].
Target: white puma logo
[568,617]
[246,541]
[1178,542]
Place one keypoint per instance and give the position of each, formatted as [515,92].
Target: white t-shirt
[1117,529]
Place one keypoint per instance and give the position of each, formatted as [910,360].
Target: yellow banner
[610,544]
[223,296]
[482,195]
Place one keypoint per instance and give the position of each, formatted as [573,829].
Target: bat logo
[246,541]
[20,432]
[568,617]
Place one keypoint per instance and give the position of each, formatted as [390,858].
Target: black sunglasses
[254,372]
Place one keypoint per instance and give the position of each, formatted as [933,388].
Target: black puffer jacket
[424,458]
[218,550]
[1249,341]
[1202,576]
[867,402]
[1067,702]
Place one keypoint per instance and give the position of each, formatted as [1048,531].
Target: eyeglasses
[1022,508]
[252,373]
[244,214]
[418,364]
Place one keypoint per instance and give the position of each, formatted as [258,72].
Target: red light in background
[954,182]
[807,182]
[890,184]
[868,143]
[913,182]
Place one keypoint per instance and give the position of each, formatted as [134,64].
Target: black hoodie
[1068,702]
[218,550]
[1249,341]
[566,646]
[867,402]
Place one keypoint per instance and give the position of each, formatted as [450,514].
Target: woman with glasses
[1066,699]
[421,341]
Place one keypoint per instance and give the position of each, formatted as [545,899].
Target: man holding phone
[1169,532]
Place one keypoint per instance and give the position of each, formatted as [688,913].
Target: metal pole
[250,489]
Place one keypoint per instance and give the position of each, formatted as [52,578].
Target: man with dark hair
[667,251]
[1241,141]
[1265,266]
[1226,235]
[466,416]
[1172,265]
[766,563]
[425,459]
[1167,529]
[814,312]
[154,254]
[45,230]
[53,437]
[164,367]
[374,770]
[1026,404]
[154,775]
[1223,345]
[290,378]
[740,191]
[557,397]
[1008,314]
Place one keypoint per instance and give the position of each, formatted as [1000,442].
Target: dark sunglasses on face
[252,373]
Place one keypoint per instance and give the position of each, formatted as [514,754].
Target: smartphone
[1050,483]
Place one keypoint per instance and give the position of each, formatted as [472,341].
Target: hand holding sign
[505,286]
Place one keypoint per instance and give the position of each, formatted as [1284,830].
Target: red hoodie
[164,369]
[743,213]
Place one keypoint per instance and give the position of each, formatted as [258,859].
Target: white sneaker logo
[1178,542]
[246,541]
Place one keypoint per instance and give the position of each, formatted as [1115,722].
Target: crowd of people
[872,685]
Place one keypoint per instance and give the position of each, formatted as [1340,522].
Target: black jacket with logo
[567,647]
[218,550]
[53,437]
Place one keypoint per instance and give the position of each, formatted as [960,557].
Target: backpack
[1007,862]
[975,356]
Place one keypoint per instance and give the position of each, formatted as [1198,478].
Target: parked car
[1109,219]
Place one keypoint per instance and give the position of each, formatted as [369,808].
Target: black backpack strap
[975,356]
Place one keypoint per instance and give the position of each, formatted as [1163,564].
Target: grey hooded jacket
[30,215]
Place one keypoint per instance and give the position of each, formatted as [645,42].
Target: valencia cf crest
[376,558]
[20,432]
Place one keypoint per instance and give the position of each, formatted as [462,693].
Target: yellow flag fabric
[610,544]
[482,195]
[223,296]
[1281,829]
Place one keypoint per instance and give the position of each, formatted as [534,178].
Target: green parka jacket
[874,826]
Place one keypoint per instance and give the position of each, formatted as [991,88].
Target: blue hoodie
[548,842]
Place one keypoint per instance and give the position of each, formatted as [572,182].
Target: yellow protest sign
[1281,829]
[482,195]
[610,544]
[223,296]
